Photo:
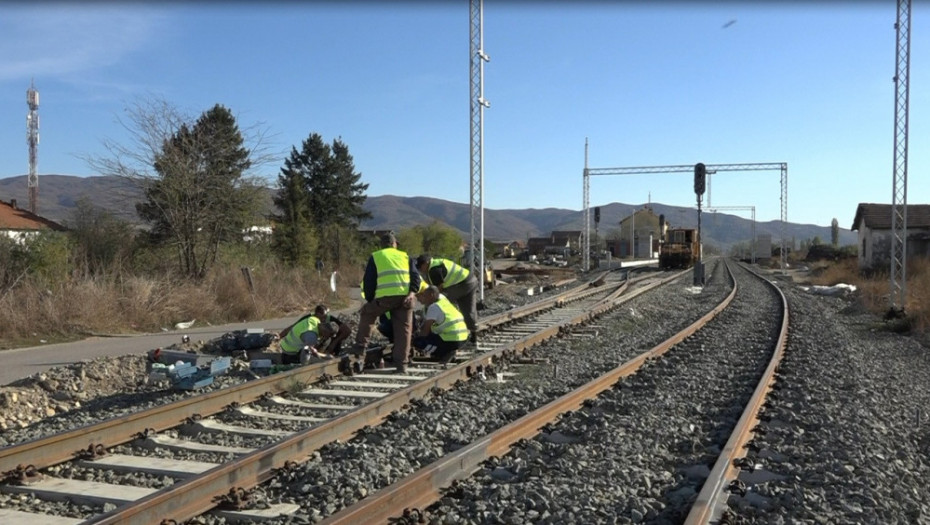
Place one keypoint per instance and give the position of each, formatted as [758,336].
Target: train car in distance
[680,249]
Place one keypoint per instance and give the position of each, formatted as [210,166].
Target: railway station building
[640,235]
[873,223]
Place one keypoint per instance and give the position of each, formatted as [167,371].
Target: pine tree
[293,239]
[320,192]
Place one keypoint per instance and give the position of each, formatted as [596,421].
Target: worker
[443,330]
[334,347]
[304,340]
[386,328]
[457,284]
[389,286]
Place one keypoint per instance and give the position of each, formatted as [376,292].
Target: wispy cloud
[59,40]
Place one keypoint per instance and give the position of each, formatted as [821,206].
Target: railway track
[534,469]
[336,407]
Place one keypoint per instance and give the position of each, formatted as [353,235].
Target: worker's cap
[423,259]
[388,239]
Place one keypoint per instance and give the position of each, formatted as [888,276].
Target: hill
[59,193]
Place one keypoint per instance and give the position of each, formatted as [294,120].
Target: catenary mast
[477,58]
[32,139]
[898,294]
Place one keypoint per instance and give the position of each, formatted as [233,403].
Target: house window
[863,249]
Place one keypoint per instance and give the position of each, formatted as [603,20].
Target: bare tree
[197,176]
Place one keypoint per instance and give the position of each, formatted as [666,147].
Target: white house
[873,222]
[18,224]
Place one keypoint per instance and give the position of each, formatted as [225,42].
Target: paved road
[23,362]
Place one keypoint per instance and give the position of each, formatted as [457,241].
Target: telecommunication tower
[32,139]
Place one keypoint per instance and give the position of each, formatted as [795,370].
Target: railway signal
[700,178]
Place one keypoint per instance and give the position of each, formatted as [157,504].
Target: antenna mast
[32,139]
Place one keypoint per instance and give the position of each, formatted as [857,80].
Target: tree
[320,192]
[193,175]
[835,232]
[201,198]
[437,239]
[293,238]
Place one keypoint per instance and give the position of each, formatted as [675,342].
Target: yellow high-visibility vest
[453,327]
[454,273]
[393,268]
[292,343]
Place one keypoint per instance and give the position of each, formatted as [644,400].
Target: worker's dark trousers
[401,320]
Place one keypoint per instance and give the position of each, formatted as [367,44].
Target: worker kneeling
[443,330]
[305,339]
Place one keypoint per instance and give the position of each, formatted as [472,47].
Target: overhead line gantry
[782,167]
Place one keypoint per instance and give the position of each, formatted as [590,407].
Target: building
[19,224]
[570,238]
[640,234]
[541,246]
[507,249]
[873,222]
[763,246]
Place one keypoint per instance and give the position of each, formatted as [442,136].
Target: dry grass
[873,291]
[77,308]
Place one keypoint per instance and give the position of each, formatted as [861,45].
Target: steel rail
[195,496]
[576,293]
[714,492]
[51,450]
[47,451]
[425,486]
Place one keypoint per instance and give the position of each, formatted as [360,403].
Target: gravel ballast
[846,438]
[642,450]
[849,435]
[342,473]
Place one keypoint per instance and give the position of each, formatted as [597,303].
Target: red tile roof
[14,218]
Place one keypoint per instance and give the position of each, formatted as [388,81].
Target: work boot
[356,350]
[444,360]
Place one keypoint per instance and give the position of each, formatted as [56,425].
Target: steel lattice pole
[586,258]
[898,295]
[477,58]
[784,218]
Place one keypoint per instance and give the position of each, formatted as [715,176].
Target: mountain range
[58,195]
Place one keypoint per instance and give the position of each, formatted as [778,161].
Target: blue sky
[660,83]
